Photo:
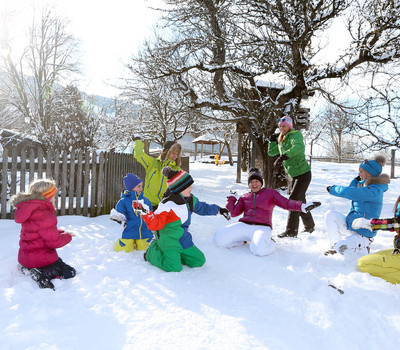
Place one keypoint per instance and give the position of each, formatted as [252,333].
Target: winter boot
[330,252]
[308,229]
[288,234]
[38,277]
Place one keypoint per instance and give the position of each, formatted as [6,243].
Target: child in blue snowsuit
[136,233]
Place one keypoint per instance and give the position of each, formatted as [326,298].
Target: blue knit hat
[131,181]
[374,167]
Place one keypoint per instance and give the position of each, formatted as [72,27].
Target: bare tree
[218,49]
[337,126]
[27,82]
[164,112]
[379,115]
[72,122]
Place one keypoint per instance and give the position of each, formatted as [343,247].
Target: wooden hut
[207,139]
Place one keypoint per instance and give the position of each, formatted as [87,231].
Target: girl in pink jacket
[40,237]
[256,224]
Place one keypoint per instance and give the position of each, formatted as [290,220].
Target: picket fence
[89,183]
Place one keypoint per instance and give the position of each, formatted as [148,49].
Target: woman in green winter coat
[290,147]
[155,183]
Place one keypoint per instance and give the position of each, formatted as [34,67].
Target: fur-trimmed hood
[23,197]
[380,179]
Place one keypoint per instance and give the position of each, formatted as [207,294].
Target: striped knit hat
[50,192]
[177,181]
[287,121]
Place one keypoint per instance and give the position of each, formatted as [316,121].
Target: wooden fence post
[4,184]
[393,164]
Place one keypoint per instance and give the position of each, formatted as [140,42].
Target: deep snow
[235,301]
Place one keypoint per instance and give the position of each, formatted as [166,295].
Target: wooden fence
[89,183]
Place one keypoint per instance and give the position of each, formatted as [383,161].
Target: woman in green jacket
[290,147]
[155,183]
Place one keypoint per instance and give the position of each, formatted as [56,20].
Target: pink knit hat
[287,121]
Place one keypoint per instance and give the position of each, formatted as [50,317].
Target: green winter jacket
[293,147]
[155,182]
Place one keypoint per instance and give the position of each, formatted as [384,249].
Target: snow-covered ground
[235,301]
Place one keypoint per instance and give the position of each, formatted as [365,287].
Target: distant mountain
[102,103]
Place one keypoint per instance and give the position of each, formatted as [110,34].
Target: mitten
[225,212]
[117,216]
[280,160]
[234,194]
[140,207]
[274,137]
[307,207]
[361,223]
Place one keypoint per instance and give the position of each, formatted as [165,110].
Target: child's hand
[225,213]
[117,216]
[307,207]
[361,223]
[233,193]
[140,207]
[71,234]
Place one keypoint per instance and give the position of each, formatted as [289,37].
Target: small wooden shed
[207,139]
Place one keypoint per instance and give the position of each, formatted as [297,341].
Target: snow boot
[308,229]
[287,234]
[330,252]
[38,277]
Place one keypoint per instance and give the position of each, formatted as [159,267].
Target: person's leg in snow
[299,188]
[353,244]
[193,257]
[336,227]
[42,281]
[59,269]
[233,235]
[382,264]
[168,260]
[261,243]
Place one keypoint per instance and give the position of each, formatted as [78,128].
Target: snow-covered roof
[269,84]
[208,139]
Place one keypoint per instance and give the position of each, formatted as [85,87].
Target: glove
[117,216]
[328,188]
[358,178]
[307,207]
[280,160]
[234,194]
[225,212]
[361,223]
[273,138]
[140,207]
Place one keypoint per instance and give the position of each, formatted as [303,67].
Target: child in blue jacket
[136,233]
[366,195]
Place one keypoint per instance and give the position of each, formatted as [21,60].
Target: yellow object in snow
[382,264]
